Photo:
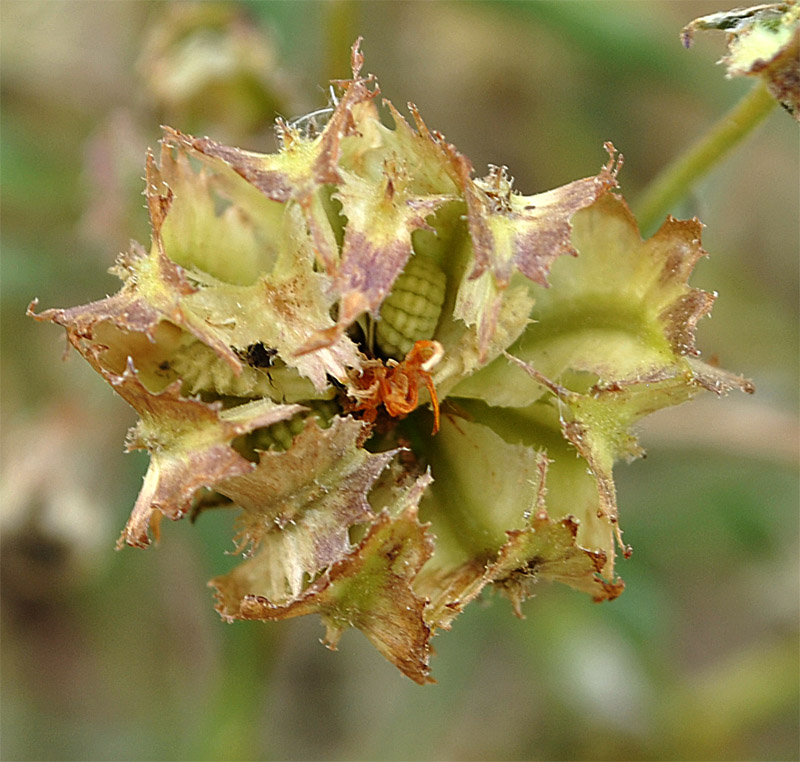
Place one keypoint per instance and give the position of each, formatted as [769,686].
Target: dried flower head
[413,383]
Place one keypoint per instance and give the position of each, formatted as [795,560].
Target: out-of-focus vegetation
[121,656]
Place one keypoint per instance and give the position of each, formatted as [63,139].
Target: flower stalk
[677,179]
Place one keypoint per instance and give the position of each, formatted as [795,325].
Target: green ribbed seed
[202,370]
[280,435]
[411,312]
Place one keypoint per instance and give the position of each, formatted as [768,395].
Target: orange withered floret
[395,385]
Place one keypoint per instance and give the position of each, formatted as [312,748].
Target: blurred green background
[110,656]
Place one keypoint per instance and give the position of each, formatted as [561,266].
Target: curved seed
[280,435]
[262,375]
[411,311]
[203,371]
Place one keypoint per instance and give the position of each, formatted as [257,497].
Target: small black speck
[257,355]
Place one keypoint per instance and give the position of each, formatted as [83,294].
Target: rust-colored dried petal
[527,233]
[299,505]
[513,233]
[190,447]
[548,550]
[370,588]
[377,242]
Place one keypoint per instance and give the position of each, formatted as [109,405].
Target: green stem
[675,180]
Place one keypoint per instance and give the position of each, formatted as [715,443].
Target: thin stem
[675,180]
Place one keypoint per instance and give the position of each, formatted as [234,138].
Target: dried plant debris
[413,383]
[763,41]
